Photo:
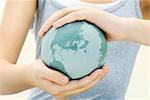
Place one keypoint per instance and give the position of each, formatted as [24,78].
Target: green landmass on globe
[75,49]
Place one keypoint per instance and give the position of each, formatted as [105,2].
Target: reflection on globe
[75,49]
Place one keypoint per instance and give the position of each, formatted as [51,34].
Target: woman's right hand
[57,84]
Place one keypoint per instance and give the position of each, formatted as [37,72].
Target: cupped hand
[37,73]
[58,84]
[93,15]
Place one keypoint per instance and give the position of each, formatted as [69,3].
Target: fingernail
[55,26]
[40,34]
[64,79]
[97,72]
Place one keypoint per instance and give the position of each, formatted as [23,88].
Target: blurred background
[139,87]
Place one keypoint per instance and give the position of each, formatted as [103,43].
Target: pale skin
[14,27]
[116,28]
[18,16]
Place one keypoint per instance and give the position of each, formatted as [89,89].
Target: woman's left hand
[102,19]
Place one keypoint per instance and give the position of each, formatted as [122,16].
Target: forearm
[13,78]
[113,25]
[137,30]
[123,28]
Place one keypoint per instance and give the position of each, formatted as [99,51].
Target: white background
[139,87]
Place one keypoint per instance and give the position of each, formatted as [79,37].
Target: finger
[87,87]
[77,84]
[74,16]
[56,16]
[93,83]
[47,86]
[55,76]
[59,90]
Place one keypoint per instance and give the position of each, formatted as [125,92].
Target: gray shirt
[120,57]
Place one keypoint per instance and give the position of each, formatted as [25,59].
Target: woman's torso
[120,57]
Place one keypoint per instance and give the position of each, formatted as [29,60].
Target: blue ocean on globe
[75,49]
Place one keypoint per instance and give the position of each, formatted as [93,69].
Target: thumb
[55,76]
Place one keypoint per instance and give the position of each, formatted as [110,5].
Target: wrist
[23,71]
[15,79]
[113,25]
[127,26]
[123,23]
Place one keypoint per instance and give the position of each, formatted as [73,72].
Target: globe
[75,49]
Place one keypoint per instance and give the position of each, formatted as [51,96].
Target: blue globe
[75,49]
